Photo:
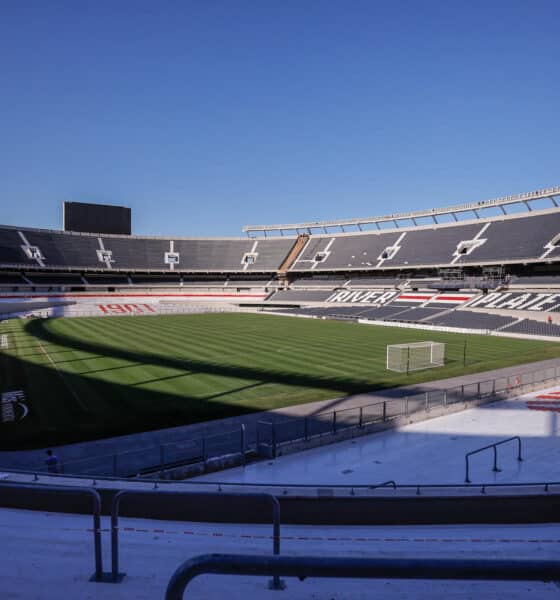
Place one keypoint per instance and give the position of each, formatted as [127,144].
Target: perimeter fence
[272,437]
[155,459]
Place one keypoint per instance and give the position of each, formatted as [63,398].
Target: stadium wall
[117,304]
[533,507]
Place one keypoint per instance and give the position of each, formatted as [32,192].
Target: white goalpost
[414,357]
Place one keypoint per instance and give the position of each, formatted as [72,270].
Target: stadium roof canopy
[433,213]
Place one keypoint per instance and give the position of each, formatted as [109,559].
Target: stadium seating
[79,251]
[300,296]
[328,282]
[187,281]
[95,279]
[431,316]
[56,279]
[527,300]
[502,239]
[536,280]
[271,254]
[383,312]
[11,279]
[171,278]
[250,282]
[346,251]
[511,239]
[10,250]
[351,312]
[384,282]
[468,283]
[471,320]
[432,246]
[530,327]
[361,275]
[418,314]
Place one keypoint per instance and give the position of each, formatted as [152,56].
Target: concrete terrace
[429,452]
[47,556]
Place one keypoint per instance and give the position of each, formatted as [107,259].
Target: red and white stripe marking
[319,538]
[549,402]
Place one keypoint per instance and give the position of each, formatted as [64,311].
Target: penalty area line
[64,380]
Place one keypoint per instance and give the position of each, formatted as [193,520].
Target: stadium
[389,381]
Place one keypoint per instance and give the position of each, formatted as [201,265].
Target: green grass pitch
[88,378]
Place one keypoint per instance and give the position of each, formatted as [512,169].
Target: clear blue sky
[204,116]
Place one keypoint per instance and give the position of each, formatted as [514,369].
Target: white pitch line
[60,374]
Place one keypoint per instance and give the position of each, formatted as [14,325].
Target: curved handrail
[495,449]
[75,491]
[366,568]
[391,483]
[202,496]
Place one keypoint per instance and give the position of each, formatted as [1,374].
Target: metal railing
[156,458]
[390,483]
[117,577]
[495,449]
[363,568]
[60,490]
[284,489]
[271,435]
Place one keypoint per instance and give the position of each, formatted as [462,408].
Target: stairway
[293,254]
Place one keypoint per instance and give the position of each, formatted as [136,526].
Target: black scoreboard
[96,218]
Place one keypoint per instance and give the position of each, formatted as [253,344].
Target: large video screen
[96,218]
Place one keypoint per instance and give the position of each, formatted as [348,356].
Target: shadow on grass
[110,408]
[55,418]
[346,385]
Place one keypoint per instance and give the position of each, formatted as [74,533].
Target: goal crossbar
[415,356]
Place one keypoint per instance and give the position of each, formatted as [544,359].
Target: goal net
[413,357]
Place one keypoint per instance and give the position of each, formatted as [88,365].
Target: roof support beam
[395,217]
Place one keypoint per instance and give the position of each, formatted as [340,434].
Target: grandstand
[263,388]
[505,240]
[516,252]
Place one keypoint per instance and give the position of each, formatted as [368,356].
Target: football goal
[413,357]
